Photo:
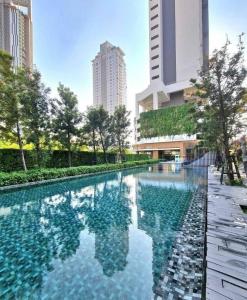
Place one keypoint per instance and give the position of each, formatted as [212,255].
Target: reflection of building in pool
[111,249]
[160,214]
[173,175]
[109,218]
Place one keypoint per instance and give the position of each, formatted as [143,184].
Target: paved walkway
[226,241]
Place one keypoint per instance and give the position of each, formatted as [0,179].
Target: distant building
[179,47]
[109,78]
[16,31]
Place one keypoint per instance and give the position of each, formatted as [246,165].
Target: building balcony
[166,139]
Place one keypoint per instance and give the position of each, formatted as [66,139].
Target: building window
[154,17]
[154,27]
[154,37]
[154,57]
[155,77]
[155,6]
[155,47]
[155,67]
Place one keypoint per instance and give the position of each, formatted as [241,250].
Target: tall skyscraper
[109,78]
[179,47]
[16,30]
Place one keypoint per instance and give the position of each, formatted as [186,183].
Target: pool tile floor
[184,277]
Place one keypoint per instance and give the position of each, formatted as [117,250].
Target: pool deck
[226,241]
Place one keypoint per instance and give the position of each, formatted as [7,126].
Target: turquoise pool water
[103,237]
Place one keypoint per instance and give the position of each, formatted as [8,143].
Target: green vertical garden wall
[174,120]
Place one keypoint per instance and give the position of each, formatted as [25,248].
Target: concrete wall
[189,46]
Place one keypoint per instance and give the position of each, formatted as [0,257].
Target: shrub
[46,174]
[10,159]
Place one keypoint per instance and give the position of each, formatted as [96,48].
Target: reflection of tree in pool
[108,217]
[160,215]
[32,235]
[24,250]
[42,224]
[63,226]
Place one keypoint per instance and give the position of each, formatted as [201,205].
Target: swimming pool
[104,237]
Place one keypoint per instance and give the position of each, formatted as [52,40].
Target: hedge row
[10,159]
[14,178]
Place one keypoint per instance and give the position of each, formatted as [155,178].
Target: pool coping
[15,187]
[226,240]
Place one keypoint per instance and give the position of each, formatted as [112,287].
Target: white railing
[172,138]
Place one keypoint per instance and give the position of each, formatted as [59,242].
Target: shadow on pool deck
[226,241]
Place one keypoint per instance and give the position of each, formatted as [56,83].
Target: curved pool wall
[110,236]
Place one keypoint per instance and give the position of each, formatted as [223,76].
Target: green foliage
[10,159]
[13,92]
[223,100]
[135,157]
[29,119]
[235,182]
[89,130]
[14,178]
[5,65]
[36,113]
[105,131]
[223,96]
[103,124]
[174,120]
[120,129]
[66,119]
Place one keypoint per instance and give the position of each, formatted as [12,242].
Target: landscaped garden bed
[14,178]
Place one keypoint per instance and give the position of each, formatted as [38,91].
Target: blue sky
[67,35]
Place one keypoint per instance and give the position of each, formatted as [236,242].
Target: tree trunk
[38,156]
[103,147]
[105,155]
[21,147]
[69,158]
[228,158]
[230,172]
[69,151]
[120,151]
[94,149]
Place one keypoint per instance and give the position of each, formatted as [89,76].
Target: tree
[36,110]
[90,130]
[222,85]
[5,66]
[5,73]
[103,126]
[121,131]
[12,92]
[66,119]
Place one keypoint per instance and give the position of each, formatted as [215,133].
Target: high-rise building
[109,78]
[16,31]
[179,47]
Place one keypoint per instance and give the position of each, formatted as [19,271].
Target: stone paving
[226,241]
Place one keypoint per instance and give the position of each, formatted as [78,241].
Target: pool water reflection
[104,237]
